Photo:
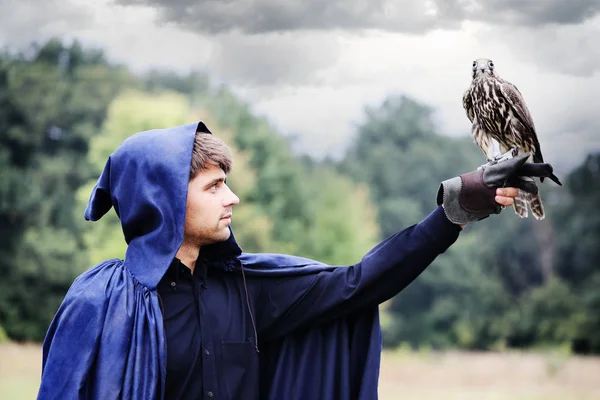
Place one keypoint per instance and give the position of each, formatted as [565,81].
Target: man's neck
[188,254]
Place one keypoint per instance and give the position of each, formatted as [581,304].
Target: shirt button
[206,352]
[173,284]
[210,394]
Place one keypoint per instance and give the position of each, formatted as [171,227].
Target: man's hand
[476,195]
[506,196]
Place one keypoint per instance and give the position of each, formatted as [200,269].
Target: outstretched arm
[289,302]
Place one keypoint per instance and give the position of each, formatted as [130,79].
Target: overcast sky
[312,66]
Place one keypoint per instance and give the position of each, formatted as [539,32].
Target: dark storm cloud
[533,12]
[260,16]
[568,49]
[409,16]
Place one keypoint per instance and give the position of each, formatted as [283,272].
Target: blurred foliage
[3,336]
[52,101]
[507,282]
[402,159]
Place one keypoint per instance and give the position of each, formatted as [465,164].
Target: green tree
[578,223]
[51,103]
[343,221]
[550,314]
[403,160]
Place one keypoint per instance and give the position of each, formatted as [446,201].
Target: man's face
[209,207]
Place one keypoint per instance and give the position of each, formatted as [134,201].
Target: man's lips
[228,216]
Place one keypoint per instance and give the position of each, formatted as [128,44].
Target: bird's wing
[517,102]
[468,104]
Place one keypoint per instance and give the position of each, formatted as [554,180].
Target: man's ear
[202,128]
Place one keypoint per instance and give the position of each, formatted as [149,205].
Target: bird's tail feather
[520,206]
[535,203]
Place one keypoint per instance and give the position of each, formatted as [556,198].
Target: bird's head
[482,66]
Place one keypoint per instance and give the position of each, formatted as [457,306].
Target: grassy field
[407,375]
[489,376]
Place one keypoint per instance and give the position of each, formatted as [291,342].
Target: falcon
[501,123]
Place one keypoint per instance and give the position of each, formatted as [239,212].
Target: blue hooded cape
[107,340]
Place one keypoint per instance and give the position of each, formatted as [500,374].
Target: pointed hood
[146,181]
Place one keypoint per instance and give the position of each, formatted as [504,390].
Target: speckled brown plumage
[501,121]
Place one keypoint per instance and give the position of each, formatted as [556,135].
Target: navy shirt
[179,293]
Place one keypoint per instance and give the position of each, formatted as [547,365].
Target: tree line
[507,282]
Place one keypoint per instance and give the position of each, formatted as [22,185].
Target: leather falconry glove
[471,196]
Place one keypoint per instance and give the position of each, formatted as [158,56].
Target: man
[187,315]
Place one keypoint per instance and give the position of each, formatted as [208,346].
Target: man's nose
[231,198]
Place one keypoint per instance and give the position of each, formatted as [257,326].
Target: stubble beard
[206,237]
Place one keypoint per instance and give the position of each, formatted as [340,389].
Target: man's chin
[226,234]
[223,235]
[216,237]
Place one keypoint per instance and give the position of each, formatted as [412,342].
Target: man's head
[209,200]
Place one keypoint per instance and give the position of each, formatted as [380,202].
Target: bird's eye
[491,64]
[474,63]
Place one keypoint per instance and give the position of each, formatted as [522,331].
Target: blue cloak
[107,339]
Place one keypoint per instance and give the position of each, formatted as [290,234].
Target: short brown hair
[209,149]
